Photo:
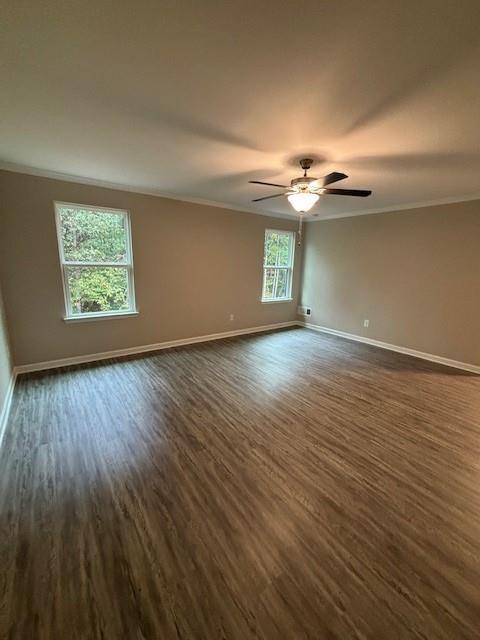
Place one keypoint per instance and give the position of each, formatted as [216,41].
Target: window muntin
[277,265]
[96,260]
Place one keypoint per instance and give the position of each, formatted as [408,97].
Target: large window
[278,265]
[96,259]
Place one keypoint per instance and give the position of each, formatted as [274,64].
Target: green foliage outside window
[95,289]
[91,236]
[96,237]
[277,249]
[277,265]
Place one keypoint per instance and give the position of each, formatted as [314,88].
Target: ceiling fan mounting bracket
[306,163]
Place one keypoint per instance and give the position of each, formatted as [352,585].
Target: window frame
[289,267]
[64,264]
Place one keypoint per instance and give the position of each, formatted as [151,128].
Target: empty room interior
[240,320]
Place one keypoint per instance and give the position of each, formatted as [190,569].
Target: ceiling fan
[305,191]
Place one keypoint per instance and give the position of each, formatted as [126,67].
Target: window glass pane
[277,249]
[93,236]
[268,283]
[283,250]
[281,283]
[95,289]
[275,283]
[270,253]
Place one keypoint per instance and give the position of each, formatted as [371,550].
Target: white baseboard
[7,403]
[105,355]
[393,347]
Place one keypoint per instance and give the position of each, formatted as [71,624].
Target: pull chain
[300,230]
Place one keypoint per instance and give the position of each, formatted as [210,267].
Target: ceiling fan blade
[362,193]
[269,184]
[276,195]
[335,176]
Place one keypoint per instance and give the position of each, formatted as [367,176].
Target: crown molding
[399,207]
[67,177]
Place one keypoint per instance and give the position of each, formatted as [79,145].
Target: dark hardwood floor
[288,485]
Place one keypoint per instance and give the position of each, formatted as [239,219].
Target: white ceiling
[194,98]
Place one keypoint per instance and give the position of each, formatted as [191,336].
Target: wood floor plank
[287,485]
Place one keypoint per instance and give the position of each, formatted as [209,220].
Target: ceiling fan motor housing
[301,184]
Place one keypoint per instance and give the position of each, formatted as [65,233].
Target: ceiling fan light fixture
[302,201]
[304,191]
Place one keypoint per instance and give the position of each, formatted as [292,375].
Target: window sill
[90,317]
[268,301]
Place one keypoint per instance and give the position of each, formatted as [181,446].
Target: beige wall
[414,274]
[194,266]
[5,364]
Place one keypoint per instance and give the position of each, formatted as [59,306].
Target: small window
[96,259]
[277,265]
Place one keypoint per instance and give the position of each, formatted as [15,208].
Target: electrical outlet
[304,311]
[232,317]
[366,322]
